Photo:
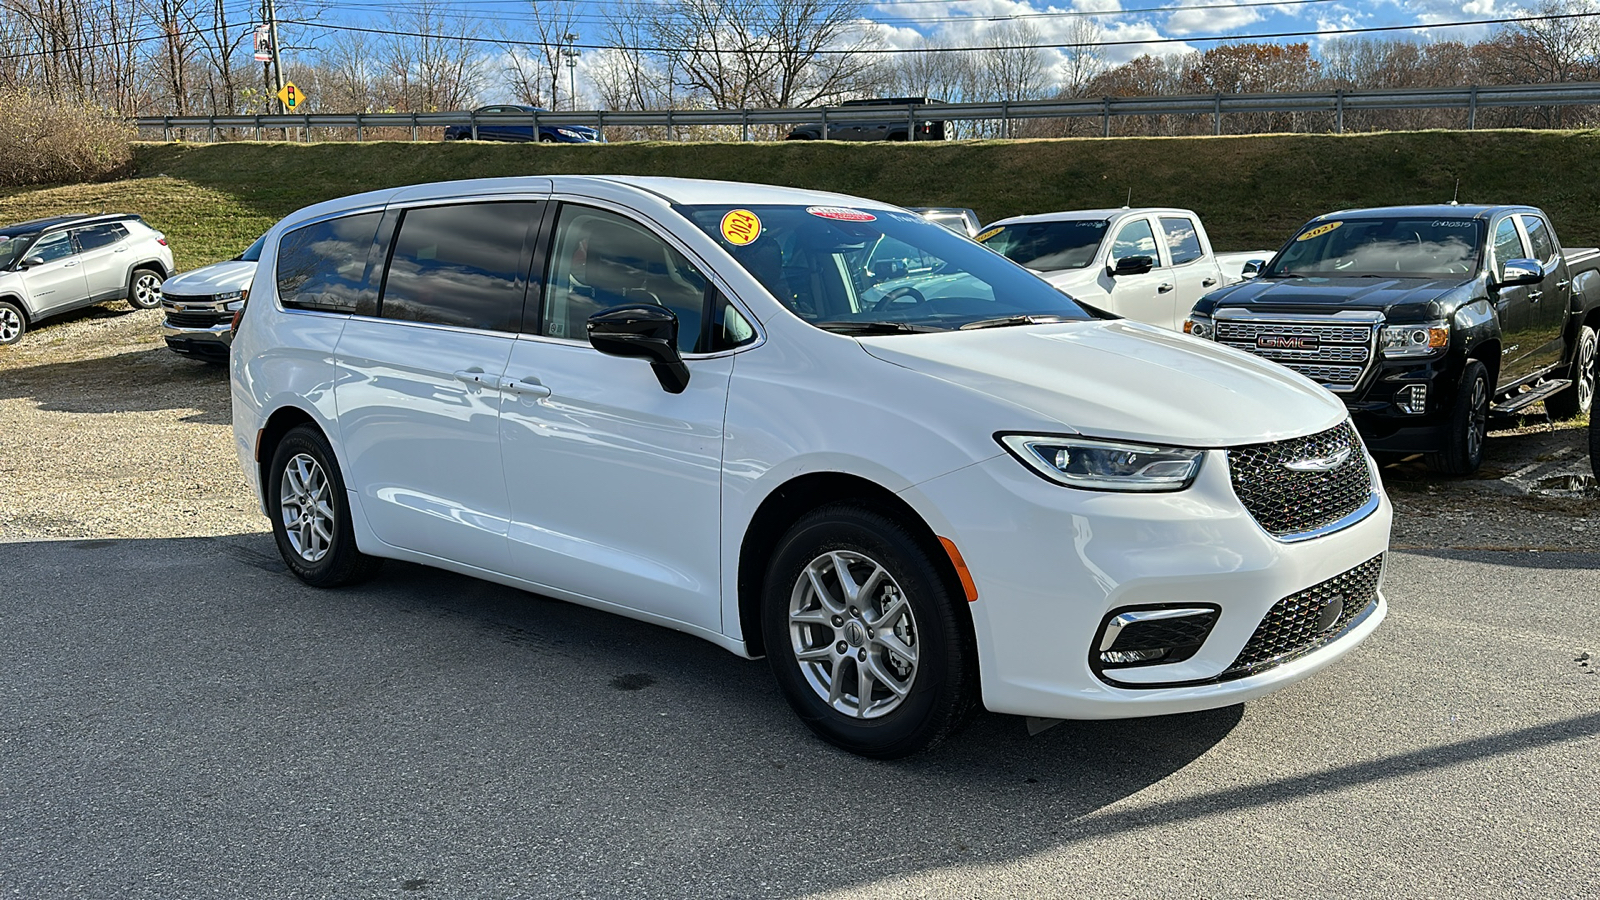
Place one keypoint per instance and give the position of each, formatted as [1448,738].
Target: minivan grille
[1307,620]
[1337,357]
[1320,489]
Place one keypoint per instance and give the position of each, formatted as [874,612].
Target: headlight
[1200,326]
[1414,340]
[566,133]
[1105,465]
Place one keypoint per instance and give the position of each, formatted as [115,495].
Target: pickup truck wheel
[13,324]
[310,513]
[863,633]
[1578,399]
[144,289]
[1469,424]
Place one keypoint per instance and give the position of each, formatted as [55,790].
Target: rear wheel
[310,513]
[1469,424]
[864,635]
[144,289]
[1578,399]
[13,324]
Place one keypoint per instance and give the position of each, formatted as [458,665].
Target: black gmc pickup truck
[1426,320]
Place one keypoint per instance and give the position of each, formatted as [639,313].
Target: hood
[1120,379]
[1380,294]
[1067,279]
[217,278]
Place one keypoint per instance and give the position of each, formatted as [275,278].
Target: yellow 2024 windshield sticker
[1319,231]
[740,227]
[988,234]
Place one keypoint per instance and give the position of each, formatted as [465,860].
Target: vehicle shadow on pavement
[137,381]
[1525,559]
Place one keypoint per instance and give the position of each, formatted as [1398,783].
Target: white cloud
[1214,20]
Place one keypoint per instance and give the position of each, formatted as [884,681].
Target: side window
[1135,239]
[52,247]
[460,265]
[603,260]
[1544,244]
[97,236]
[1183,241]
[729,327]
[1507,244]
[323,266]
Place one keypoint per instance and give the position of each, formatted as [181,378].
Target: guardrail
[1471,99]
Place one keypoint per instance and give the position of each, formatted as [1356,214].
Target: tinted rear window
[461,265]
[323,266]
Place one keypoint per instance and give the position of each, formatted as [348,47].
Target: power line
[873,51]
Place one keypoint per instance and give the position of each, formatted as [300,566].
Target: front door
[1513,306]
[1148,297]
[418,387]
[56,282]
[615,483]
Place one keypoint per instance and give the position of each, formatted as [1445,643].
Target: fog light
[1132,637]
[1412,399]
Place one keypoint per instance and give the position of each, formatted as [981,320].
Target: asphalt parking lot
[181,718]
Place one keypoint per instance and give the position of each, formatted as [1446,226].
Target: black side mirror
[1520,271]
[1252,268]
[646,331]
[1131,265]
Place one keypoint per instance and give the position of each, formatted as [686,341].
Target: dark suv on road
[515,122]
[894,127]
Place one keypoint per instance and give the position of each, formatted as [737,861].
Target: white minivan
[807,426]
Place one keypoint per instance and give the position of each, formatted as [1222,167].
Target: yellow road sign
[291,96]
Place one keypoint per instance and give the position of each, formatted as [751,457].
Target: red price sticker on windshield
[841,213]
[740,227]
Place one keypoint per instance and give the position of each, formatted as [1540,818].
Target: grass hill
[1252,191]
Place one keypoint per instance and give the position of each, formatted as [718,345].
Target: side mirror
[33,261]
[646,331]
[1520,271]
[1252,268]
[1131,265]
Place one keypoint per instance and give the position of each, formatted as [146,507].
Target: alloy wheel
[147,291]
[1478,418]
[853,634]
[10,325]
[1586,371]
[306,508]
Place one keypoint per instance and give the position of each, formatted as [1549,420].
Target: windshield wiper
[1004,321]
[876,327]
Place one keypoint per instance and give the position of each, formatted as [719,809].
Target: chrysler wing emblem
[1321,463]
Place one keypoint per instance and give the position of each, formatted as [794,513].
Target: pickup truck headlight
[1200,326]
[1424,339]
[1105,465]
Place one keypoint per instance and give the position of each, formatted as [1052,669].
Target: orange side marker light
[962,571]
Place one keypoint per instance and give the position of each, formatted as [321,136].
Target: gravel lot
[104,433]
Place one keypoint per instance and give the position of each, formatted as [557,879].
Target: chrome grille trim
[1346,354]
[1299,505]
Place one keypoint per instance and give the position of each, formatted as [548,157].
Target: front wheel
[13,324]
[1578,399]
[310,514]
[144,289]
[1468,428]
[864,635]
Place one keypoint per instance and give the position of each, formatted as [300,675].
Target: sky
[1128,28]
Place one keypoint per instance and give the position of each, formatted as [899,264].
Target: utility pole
[572,55]
[272,71]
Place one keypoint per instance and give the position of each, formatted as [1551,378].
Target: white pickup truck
[1148,264]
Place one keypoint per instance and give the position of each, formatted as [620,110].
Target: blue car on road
[500,129]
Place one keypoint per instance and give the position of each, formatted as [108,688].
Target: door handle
[1535,295]
[69,264]
[473,375]
[1164,289]
[1208,282]
[1562,283]
[527,387]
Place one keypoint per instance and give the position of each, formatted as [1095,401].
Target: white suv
[809,426]
[53,266]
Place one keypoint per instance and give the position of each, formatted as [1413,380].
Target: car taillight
[244,300]
[161,239]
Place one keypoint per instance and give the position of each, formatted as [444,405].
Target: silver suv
[52,266]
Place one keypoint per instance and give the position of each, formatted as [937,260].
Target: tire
[13,323]
[1578,399]
[1469,424]
[144,289]
[912,700]
[546,139]
[320,549]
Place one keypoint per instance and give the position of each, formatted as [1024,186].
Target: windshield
[12,247]
[1414,247]
[1047,246]
[841,268]
[253,252]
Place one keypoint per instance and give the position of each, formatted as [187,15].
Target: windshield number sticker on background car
[841,213]
[988,234]
[740,227]
[1319,231]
